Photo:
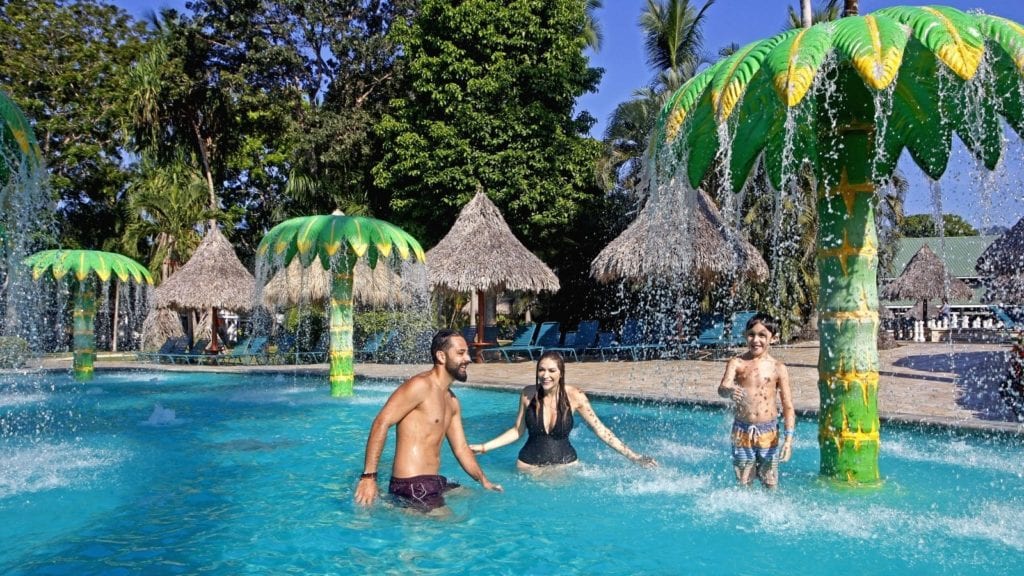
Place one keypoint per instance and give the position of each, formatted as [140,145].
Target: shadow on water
[978,376]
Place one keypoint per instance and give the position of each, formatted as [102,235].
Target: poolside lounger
[522,341]
[584,338]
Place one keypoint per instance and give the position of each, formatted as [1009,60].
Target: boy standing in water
[752,380]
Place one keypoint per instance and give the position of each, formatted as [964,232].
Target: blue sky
[744,21]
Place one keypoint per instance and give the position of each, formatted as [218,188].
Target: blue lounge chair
[175,345]
[715,340]
[374,345]
[248,351]
[1008,322]
[583,339]
[194,355]
[522,341]
[317,355]
[489,342]
[549,336]
[633,342]
[605,342]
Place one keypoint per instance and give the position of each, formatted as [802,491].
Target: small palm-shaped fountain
[339,241]
[845,98]
[84,269]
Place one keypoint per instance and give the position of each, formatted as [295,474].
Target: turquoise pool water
[155,473]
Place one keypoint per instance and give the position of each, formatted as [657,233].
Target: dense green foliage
[64,64]
[14,352]
[490,91]
[923,226]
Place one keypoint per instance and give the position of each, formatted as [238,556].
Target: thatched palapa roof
[213,277]
[1001,267]
[297,285]
[678,235]
[925,278]
[159,325]
[480,253]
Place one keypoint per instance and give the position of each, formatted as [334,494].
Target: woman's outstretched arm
[581,404]
[508,436]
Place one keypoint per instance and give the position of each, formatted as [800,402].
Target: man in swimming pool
[426,412]
[753,380]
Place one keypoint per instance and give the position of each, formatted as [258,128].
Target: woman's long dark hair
[564,408]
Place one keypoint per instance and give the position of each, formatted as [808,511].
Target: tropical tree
[176,103]
[673,42]
[593,36]
[923,226]
[826,12]
[63,63]
[620,167]
[491,88]
[167,204]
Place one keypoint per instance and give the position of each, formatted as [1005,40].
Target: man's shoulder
[415,383]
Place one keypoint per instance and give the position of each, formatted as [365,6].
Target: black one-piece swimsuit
[543,448]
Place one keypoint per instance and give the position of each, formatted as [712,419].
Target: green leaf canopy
[82,264]
[328,235]
[15,131]
[931,60]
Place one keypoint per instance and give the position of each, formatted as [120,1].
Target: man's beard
[458,372]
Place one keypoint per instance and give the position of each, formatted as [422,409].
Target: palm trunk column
[84,334]
[341,323]
[848,302]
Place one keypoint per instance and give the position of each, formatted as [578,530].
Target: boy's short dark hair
[766,320]
[441,341]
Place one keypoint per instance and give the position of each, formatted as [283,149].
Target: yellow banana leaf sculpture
[84,268]
[339,241]
[846,98]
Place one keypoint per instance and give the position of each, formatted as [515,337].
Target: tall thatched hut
[480,254]
[676,236]
[213,278]
[925,278]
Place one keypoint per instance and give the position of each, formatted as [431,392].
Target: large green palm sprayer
[845,98]
[84,269]
[17,141]
[339,241]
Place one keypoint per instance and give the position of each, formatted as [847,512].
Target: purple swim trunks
[423,493]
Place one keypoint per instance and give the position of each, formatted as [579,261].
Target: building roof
[960,253]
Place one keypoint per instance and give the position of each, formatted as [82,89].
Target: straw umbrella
[296,285]
[1001,267]
[480,253]
[925,278]
[676,236]
[213,278]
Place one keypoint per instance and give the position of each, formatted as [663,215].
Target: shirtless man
[752,381]
[426,411]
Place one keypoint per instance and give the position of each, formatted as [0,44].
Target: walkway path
[945,384]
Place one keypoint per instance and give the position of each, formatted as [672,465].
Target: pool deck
[943,384]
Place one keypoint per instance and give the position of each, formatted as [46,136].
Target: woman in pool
[546,410]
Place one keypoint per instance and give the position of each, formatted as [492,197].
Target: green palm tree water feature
[339,241]
[846,98]
[25,208]
[17,141]
[84,269]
